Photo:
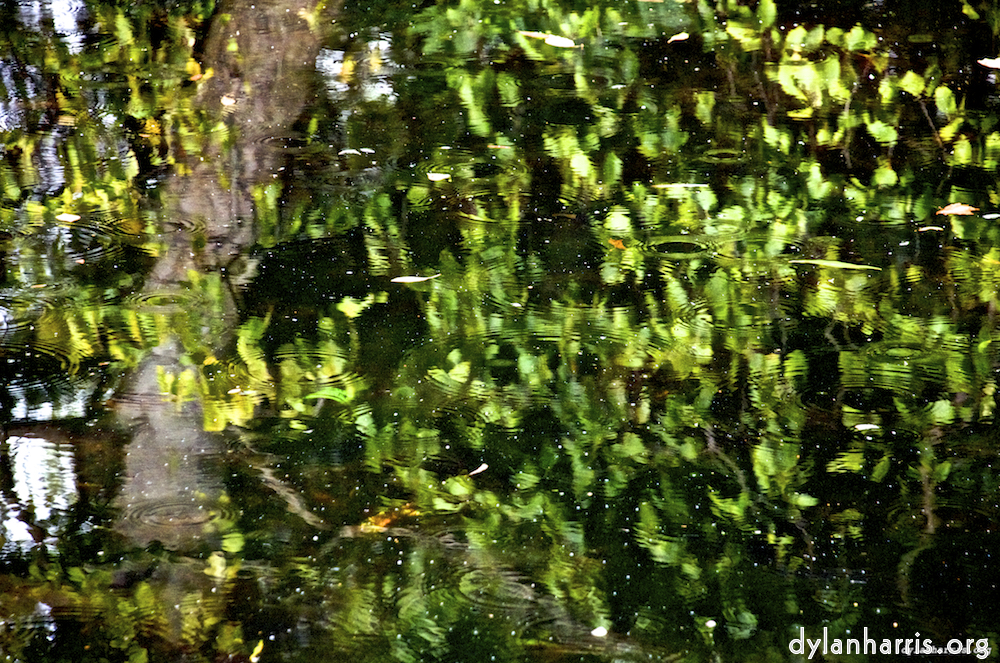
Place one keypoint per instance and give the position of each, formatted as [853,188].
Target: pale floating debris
[958,208]
[680,36]
[228,101]
[991,216]
[560,42]
[438,177]
[711,623]
[992,63]
[923,229]
[349,150]
[599,632]
[414,279]
[550,39]
[834,263]
[68,217]
[680,185]
[481,468]
[367,150]
[864,427]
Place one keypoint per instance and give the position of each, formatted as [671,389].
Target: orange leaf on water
[958,208]
[617,243]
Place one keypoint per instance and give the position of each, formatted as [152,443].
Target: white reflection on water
[44,483]
[370,73]
[66,18]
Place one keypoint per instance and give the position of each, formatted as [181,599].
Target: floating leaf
[958,208]
[67,217]
[481,468]
[617,243]
[438,177]
[560,42]
[680,36]
[550,39]
[834,263]
[992,63]
[866,427]
[414,279]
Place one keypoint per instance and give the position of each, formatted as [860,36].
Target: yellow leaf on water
[414,279]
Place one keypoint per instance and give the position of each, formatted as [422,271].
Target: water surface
[509,331]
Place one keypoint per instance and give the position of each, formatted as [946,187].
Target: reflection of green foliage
[668,328]
[88,619]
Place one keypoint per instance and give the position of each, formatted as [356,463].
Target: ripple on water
[460,174]
[164,301]
[897,368]
[678,247]
[173,521]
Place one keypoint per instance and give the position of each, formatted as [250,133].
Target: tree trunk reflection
[260,57]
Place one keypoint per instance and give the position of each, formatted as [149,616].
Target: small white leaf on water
[599,632]
[67,217]
[550,39]
[414,279]
[560,42]
[680,36]
[438,177]
[481,468]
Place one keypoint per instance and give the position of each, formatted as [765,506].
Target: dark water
[508,331]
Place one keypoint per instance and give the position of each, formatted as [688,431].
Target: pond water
[528,330]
